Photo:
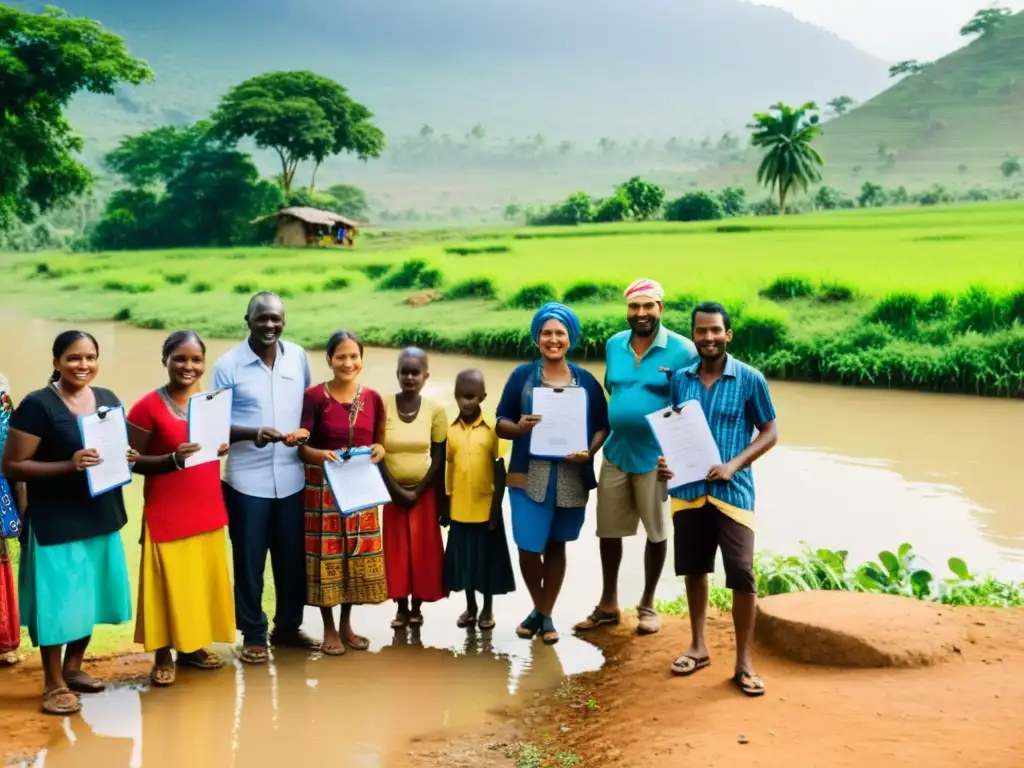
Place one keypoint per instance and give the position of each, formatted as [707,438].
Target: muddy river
[859,470]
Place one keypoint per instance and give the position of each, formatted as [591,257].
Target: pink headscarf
[645,288]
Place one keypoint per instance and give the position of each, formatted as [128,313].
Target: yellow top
[407,446]
[469,477]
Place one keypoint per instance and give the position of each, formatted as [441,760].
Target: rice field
[791,280]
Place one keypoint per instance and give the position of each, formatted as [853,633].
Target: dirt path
[969,711]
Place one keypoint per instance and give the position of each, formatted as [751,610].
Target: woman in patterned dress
[344,555]
[10,626]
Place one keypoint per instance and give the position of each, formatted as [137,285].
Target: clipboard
[102,413]
[370,493]
[580,441]
[686,443]
[208,452]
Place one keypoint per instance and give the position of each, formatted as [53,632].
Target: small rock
[771,733]
[979,623]
[564,729]
[742,739]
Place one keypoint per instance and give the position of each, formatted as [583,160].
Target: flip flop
[530,626]
[293,638]
[80,682]
[598,618]
[415,619]
[649,623]
[61,701]
[332,650]
[467,619]
[162,677]
[357,643]
[686,665]
[254,654]
[749,683]
[400,621]
[486,624]
[201,659]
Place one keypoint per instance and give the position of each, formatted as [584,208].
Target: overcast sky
[893,29]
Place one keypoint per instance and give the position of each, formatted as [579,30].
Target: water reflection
[358,710]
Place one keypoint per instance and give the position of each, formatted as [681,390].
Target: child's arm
[499,493]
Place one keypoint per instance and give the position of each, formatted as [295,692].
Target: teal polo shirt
[637,388]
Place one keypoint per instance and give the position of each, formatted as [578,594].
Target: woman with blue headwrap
[548,498]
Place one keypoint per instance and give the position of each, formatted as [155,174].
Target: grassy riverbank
[912,298]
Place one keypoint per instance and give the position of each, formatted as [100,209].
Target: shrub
[733,201]
[595,293]
[694,206]
[175,279]
[469,250]
[759,331]
[787,288]
[124,313]
[1015,307]
[533,296]
[612,209]
[373,271]
[243,288]
[834,293]
[412,274]
[125,286]
[978,310]
[899,311]
[201,287]
[336,283]
[578,208]
[474,288]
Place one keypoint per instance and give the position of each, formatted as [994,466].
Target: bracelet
[174,461]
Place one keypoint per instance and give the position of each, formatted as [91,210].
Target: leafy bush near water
[412,274]
[474,288]
[894,573]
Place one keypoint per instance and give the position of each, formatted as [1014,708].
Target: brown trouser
[698,533]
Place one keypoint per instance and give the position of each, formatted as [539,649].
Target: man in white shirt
[265,479]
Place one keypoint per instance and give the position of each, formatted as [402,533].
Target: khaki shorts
[625,500]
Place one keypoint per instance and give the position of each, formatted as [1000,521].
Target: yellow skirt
[185,597]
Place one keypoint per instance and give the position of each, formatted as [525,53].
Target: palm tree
[789,161]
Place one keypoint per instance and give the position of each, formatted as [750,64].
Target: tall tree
[986,20]
[1010,167]
[301,116]
[786,134]
[841,104]
[45,59]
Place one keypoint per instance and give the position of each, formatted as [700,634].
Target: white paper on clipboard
[686,442]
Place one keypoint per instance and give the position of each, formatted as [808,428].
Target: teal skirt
[67,589]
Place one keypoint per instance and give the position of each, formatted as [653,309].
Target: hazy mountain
[569,68]
[959,118]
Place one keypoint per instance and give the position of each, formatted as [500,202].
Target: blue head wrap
[553,310]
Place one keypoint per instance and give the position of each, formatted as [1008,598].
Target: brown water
[859,470]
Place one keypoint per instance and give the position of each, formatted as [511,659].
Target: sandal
[332,650]
[357,643]
[530,626]
[467,619]
[61,701]
[80,682]
[162,677]
[201,659]
[648,621]
[548,632]
[401,621]
[598,618]
[686,665]
[749,683]
[255,654]
[486,624]
[293,638]
[416,619]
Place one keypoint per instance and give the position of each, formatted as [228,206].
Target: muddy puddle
[859,470]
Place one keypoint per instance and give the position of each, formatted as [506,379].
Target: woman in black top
[73,573]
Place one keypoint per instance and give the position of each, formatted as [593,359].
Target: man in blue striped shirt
[718,512]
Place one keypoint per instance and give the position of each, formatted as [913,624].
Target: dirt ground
[968,711]
[632,714]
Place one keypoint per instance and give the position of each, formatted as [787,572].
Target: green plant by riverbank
[894,573]
[928,299]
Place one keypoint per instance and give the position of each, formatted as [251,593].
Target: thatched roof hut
[302,226]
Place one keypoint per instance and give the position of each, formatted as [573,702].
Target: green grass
[810,294]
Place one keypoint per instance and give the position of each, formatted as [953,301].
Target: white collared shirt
[265,397]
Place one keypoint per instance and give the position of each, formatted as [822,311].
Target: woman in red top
[185,597]
[344,555]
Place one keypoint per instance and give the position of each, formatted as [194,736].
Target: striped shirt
[736,404]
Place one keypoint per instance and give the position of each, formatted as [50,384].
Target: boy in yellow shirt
[476,557]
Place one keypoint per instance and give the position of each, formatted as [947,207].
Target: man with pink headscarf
[639,363]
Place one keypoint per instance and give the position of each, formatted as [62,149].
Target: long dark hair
[178,338]
[63,342]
